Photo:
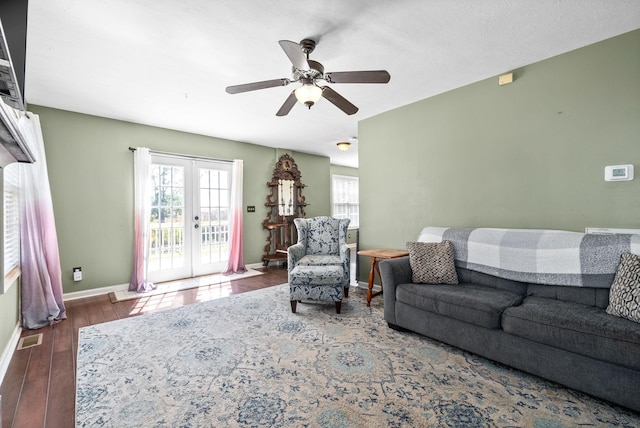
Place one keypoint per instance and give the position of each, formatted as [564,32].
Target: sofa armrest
[393,272]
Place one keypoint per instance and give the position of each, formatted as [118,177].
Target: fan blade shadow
[338,100]
[372,76]
[288,105]
[236,89]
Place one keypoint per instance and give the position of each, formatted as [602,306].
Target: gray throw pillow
[432,262]
[624,296]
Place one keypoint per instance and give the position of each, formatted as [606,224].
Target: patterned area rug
[246,360]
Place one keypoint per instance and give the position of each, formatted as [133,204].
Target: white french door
[189,224]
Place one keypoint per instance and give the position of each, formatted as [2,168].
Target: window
[345,198]
[11,220]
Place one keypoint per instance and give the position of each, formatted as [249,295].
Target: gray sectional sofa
[560,332]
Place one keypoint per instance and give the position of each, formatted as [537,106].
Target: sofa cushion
[624,298]
[475,277]
[582,329]
[432,263]
[598,297]
[470,303]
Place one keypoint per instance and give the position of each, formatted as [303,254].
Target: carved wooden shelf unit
[285,202]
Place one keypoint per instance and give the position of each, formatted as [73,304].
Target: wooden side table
[377,255]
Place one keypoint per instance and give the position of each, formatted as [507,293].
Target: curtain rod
[156,152]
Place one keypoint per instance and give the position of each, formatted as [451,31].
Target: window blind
[345,198]
[11,217]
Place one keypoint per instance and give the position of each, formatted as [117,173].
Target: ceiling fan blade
[288,105]
[236,89]
[338,100]
[295,54]
[372,76]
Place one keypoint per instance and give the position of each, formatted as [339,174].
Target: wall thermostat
[618,173]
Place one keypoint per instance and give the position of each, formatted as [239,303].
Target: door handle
[196,226]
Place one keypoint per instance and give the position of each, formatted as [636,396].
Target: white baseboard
[93,292]
[121,287]
[254,266]
[8,350]
[365,285]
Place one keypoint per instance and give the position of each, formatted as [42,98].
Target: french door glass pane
[214,217]
[166,246]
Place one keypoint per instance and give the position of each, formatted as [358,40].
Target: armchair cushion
[320,260]
[316,275]
[321,234]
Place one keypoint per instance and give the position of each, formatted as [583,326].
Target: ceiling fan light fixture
[308,94]
[343,145]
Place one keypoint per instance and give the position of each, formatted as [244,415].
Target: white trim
[94,292]
[365,286]
[11,278]
[254,266]
[7,352]
[121,287]
[610,231]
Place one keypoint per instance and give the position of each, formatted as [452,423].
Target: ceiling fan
[308,73]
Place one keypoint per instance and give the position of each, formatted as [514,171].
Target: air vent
[30,341]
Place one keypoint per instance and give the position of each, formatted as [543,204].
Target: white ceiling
[166,63]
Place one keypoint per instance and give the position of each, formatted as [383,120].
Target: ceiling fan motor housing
[316,71]
[307,45]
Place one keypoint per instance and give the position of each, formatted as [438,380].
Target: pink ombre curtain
[236,261]
[41,282]
[142,207]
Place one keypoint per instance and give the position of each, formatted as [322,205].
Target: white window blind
[345,199]
[11,218]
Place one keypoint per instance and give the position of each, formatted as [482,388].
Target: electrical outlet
[251,208]
[77,274]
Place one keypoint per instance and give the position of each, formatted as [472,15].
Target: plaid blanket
[550,257]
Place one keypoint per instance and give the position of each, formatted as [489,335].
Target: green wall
[91,175]
[530,154]
[344,170]
[9,301]
[9,314]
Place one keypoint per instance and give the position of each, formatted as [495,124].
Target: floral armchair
[319,263]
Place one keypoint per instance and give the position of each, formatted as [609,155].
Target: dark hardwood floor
[39,387]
